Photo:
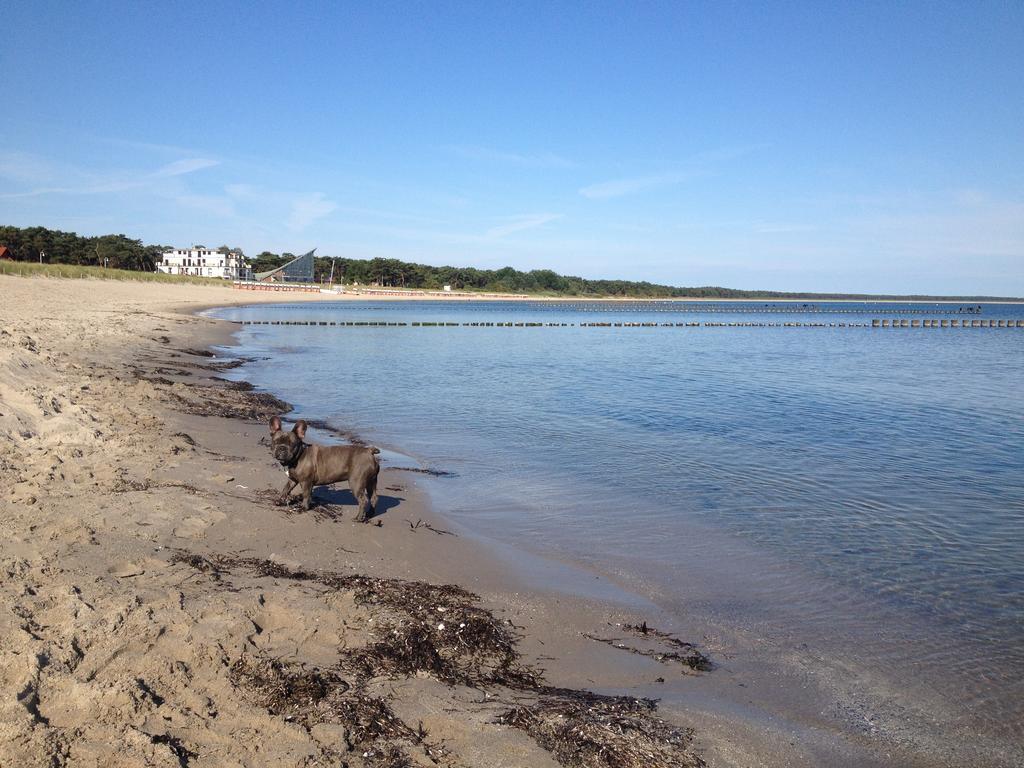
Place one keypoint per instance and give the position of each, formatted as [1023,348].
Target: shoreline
[384,294]
[159,608]
[155,484]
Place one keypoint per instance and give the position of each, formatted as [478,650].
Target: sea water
[834,481]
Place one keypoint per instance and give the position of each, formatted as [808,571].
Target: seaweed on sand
[234,386]
[218,401]
[433,628]
[440,630]
[177,747]
[587,730]
[688,657]
[320,510]
[310,697]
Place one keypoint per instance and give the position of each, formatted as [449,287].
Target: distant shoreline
[399,295]
[60,270]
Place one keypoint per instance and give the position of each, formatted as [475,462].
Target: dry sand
[156,609]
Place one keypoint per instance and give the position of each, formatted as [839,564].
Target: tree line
[56,247]
[122,252]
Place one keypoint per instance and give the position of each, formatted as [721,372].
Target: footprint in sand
[191,527]
[130,568]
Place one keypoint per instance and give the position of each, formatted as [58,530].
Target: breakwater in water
[875,323]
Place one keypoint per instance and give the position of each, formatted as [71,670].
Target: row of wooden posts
[947,324]
[598,306]
[875,323]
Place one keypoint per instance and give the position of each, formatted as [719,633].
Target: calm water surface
[845,483]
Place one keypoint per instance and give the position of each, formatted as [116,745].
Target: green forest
[113,251]
[123,252]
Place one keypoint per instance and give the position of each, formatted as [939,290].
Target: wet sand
[158,609]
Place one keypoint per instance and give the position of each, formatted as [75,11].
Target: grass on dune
[31,269]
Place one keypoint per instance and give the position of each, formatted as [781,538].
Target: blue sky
[806,146]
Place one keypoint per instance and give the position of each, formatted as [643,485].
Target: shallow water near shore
[856,490]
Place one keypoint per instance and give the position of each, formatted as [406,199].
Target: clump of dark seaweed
[198,562]
[310,697]
[217,401]
[234,386]
[126,485]
[689,657]
[186,437]
[587,730]
[177,747]
[434,628]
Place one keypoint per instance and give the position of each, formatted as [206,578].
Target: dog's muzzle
[286,457]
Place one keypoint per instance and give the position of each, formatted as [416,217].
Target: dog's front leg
[307,495]
[283,498]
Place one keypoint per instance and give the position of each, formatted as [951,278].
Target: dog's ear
[300,429]
[275,424]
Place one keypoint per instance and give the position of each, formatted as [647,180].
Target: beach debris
[208,400]
[424,471]
[587,730]
[469,647]
[315,697]
[686,654]
[187,438]
[181,753]
[234,386]
[427,526]
[124,484]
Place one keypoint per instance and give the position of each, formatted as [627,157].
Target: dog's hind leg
[371,488]
[363,499]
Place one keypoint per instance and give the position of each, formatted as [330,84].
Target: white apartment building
[204,262]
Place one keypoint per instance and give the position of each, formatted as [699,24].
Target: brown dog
[308,465]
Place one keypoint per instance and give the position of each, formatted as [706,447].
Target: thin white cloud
[147,146]
[520,223]
[25,168]
[181,167]
[39,174]
[534,160]
[620,187]
[101,188]
[307,209]
[699,164]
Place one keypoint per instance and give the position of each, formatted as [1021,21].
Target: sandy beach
[157,609]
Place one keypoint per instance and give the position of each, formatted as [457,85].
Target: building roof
[299,269]
[5,253]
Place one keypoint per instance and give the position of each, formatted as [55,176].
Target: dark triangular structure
[298,270]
